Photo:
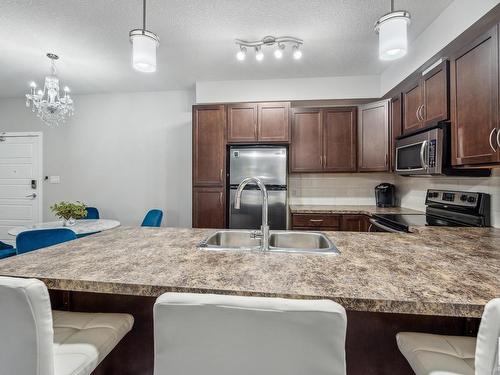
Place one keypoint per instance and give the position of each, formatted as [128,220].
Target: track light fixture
[280,43]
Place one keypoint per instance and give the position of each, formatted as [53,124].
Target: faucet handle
[255,234]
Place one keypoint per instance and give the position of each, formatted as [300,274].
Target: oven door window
[408,157]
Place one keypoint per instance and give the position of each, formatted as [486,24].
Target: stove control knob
[463,197]
[471,199]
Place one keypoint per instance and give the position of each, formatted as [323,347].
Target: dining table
[81,227]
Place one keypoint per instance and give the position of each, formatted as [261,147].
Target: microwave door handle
[422,155]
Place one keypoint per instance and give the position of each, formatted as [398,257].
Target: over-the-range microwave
[428,153]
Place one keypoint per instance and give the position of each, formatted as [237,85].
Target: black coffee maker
[385,195]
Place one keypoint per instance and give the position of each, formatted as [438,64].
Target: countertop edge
[350,304]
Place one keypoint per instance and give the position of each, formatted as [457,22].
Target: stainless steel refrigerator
[269,163]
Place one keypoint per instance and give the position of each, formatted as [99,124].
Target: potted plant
[69,212]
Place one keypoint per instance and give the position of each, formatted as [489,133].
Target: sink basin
[279,241]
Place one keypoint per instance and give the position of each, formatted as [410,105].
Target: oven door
[420,154]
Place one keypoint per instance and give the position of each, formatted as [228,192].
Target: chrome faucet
[264,228]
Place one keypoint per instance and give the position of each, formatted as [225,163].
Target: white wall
[123,153]
[453,21]
[350,87]
[411,190]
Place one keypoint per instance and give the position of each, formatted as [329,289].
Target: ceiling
[197,40]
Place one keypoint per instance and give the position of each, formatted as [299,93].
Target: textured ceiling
[197,40]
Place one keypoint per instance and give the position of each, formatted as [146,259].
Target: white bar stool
[226,335]
[37,341]
[456,355]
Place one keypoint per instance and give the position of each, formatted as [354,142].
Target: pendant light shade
[393,34]
[144,51]
[144,45]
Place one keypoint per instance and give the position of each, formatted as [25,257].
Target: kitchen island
[434,271]
[432,280]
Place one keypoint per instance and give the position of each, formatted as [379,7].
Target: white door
[20,181]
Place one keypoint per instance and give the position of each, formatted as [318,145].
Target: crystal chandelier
[49,105]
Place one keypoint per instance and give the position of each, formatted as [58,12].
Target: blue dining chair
[92,213]
[36,239]
[6,250]
[152,219]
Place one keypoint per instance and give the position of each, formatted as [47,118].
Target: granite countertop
[345,209]
[436,271]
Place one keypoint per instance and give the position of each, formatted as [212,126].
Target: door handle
[220,198]
[321,160]
[316,220]
[324,161]
[422,155]
[417,114]
[422,116]
[32,196]
[491,135]
[498,138]
[220,175]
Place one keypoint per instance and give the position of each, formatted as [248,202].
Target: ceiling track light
[144,45]
[392,29]
[280,43]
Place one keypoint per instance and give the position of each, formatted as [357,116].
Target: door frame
[40,157]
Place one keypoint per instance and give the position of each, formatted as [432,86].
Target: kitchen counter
[345,209]
[437,271]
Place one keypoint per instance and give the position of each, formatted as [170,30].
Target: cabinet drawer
[315,220]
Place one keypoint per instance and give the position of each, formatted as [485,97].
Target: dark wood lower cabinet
[371,347]
[209,207]
[330,222]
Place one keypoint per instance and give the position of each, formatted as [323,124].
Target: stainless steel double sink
[279,241]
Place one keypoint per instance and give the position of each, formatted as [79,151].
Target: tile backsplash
[342,188]
[358,189]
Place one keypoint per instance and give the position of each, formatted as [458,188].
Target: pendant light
[392,32]
[144,45]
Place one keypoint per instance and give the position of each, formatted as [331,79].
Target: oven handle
[383,227]
[422,155]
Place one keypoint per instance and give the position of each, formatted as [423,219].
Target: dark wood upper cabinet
[426,99]
[306,149]
[373,137]
[339,140]
[242,122]
[209,207]
[209,142]
[258,122]
[274,122]
[474,101]
[435,94]
[396,120]
[412,101]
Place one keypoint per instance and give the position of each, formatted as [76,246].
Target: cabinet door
[242,122]
[208,207]
[339,140]
[209,142]
[354,223]
[474,80]
[306,148]
[412,101]
[436,94]
[274,122]
[373,137]
[396,126]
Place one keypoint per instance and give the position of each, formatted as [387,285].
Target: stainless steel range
[443,208]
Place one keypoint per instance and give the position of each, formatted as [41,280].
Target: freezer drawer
[267,163]
[249,216]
